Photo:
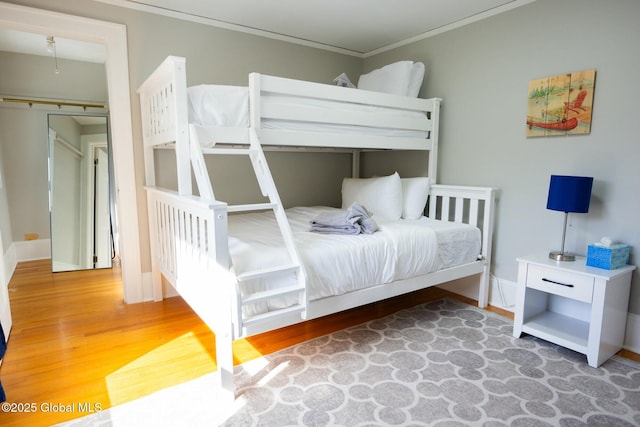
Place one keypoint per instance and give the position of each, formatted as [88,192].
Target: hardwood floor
[75,346]
[74,341]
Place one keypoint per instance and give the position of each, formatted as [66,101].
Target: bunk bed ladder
[269,190]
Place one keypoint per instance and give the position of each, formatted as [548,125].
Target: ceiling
[355,27]
[36,44]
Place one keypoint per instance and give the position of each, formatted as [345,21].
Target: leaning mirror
[79,192]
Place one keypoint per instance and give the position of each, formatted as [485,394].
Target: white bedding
[336,264]
[228,106]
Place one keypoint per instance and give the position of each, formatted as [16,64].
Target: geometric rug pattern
[442,363]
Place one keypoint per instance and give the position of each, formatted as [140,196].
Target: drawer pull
[568,285]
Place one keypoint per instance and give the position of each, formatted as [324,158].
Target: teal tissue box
[609,258]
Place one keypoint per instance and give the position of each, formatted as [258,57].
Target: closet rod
[60,104]
[69,146]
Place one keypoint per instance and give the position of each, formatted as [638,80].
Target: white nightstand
[570,304]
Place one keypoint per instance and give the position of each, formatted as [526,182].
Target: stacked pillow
[400,78]
[388,197]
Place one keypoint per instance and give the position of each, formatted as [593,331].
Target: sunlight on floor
[177,361]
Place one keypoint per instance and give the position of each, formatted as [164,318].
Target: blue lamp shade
[569,193]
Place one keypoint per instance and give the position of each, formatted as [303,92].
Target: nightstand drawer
[560,282]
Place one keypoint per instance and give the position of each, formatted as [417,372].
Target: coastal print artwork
[561,105]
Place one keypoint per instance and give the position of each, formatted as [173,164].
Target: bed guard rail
[189,246]
[469,205]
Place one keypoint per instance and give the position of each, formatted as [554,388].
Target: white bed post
[433,137]
[150,181]
[163,103]
[487,235]
[223,282]
[183,152]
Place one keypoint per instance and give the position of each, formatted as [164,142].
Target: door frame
[94,143]
[114,37]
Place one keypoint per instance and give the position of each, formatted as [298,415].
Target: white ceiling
[356,27]
[36,44]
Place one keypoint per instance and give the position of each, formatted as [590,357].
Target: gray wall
[5,222]
[220,56]
[482,71]
[24,135]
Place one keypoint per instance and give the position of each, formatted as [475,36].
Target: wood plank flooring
[75,346]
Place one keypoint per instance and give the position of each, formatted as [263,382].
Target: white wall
[482,71]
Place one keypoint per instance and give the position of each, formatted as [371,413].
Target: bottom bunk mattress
[336,264]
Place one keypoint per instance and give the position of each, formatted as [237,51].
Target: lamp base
[561,256]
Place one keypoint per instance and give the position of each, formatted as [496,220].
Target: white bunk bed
[191,242]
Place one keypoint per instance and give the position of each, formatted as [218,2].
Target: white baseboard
[632,334]
[168,291]
[147,287]
[502,293]
[31,250]
[467,287]
[9,263]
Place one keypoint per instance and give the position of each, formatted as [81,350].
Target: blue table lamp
[568,194]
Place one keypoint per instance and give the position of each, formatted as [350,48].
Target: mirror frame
[83,239]
[114,37]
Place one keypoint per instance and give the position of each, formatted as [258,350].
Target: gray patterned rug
[439,364]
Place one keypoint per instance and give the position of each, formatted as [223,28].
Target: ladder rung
[271,293]
[251,207]
[260,318]
[268,272]
[226,151]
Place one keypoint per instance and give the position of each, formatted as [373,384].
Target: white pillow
[382,196]
[393,78]
[414,196]
[415,79]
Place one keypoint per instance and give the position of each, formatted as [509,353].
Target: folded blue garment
[3,349]
[355,220]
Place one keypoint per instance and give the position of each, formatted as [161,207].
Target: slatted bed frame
[189,233]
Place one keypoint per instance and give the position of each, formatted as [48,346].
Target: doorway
[114,37]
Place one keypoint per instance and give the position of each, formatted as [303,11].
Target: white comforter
[336,264]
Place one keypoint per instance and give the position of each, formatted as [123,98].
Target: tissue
[605,242]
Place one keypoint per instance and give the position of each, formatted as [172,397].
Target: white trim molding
[632,334]
[310,43]
[31,250]
[9,263]
[114,37]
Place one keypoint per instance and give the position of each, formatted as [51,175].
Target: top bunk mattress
[336,264]
[228,106]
